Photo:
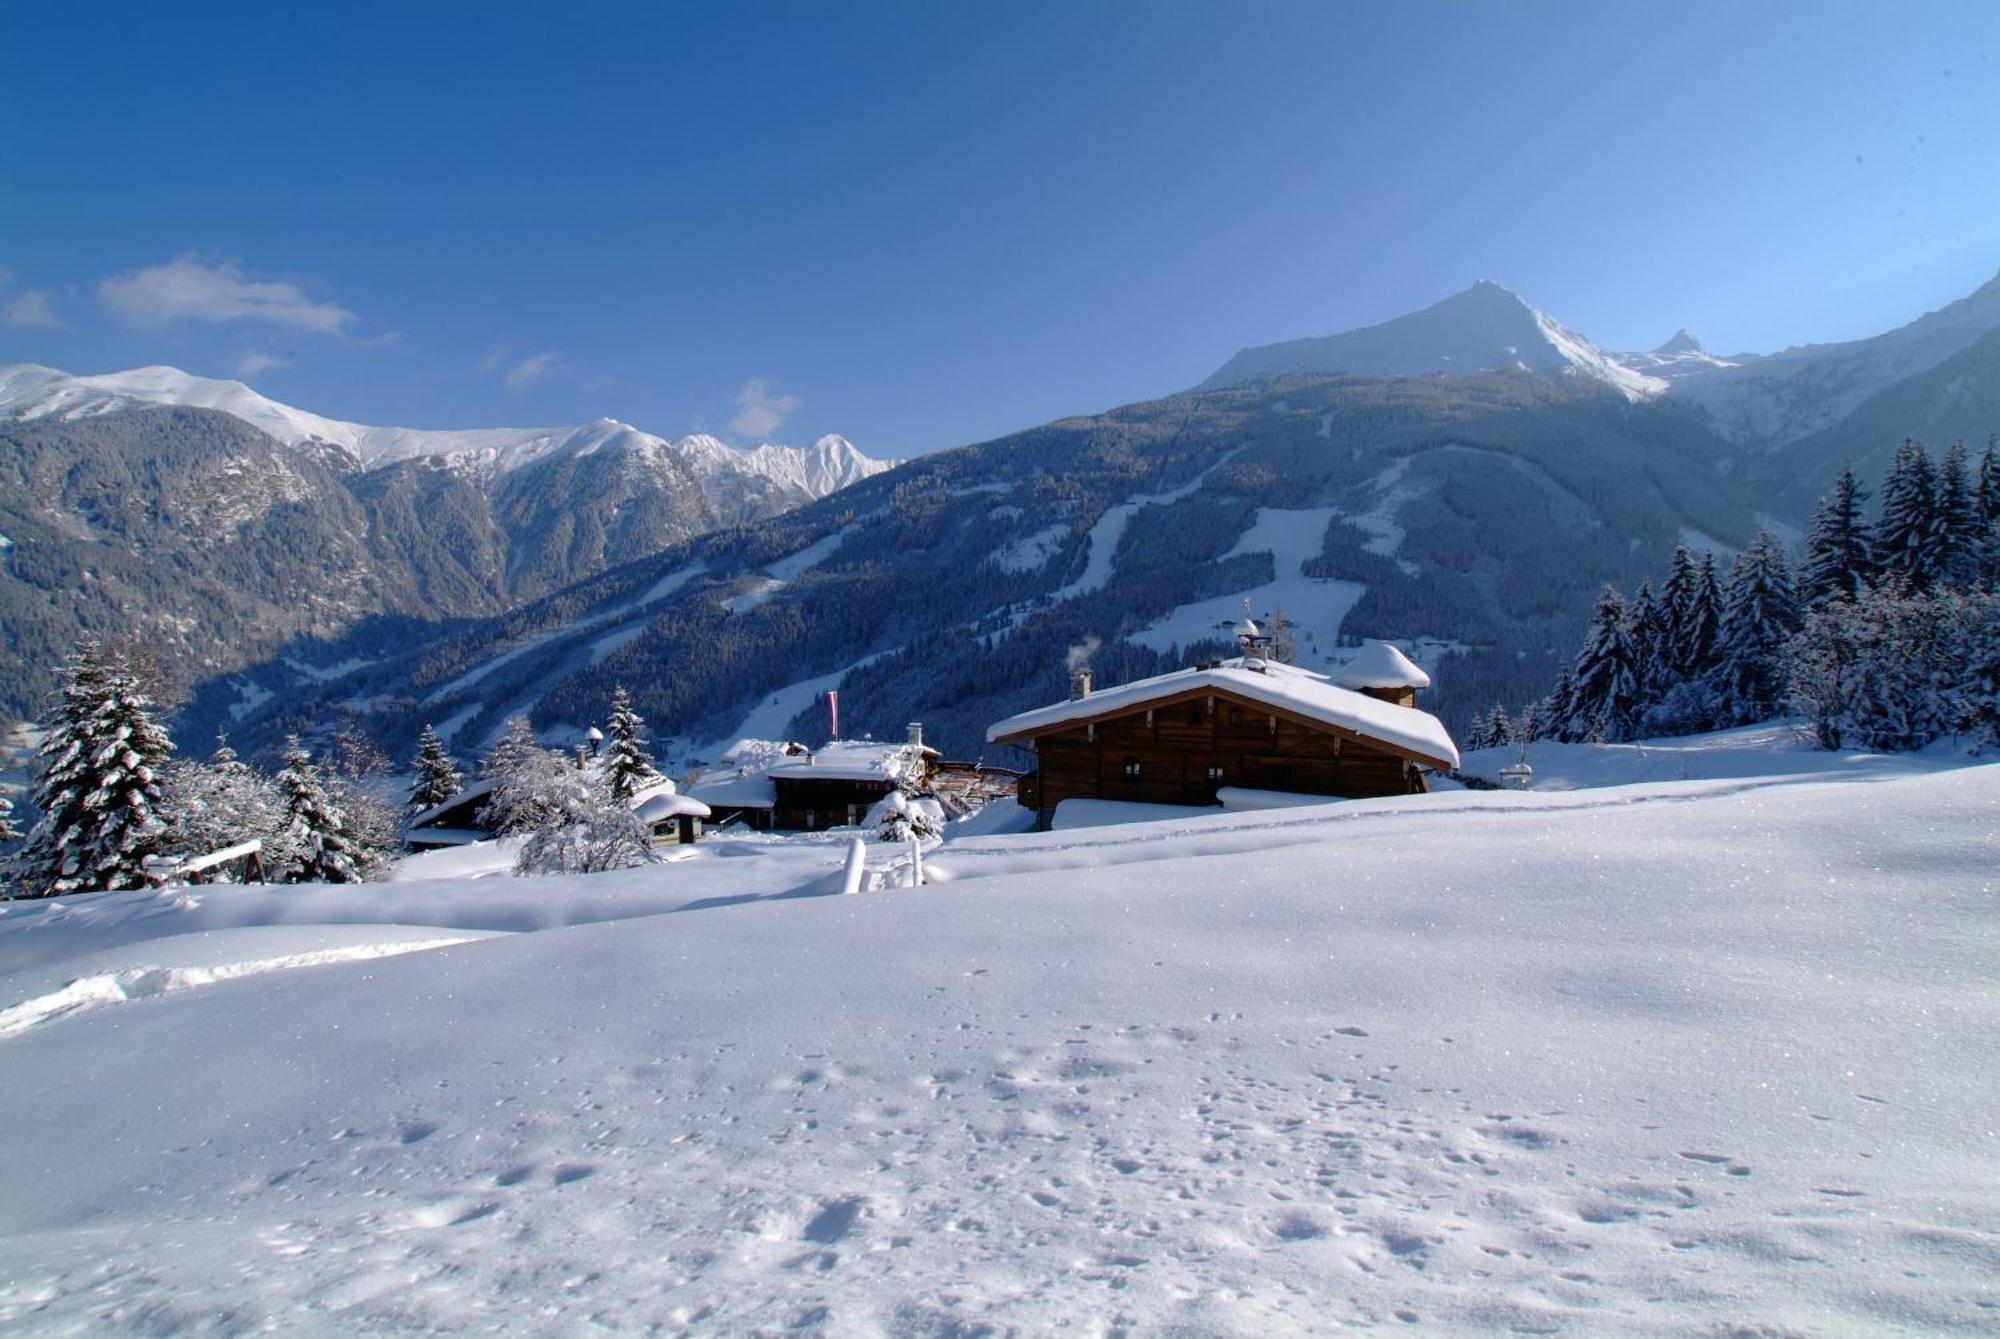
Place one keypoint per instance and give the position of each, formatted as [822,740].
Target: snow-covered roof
[474,791]
[663,805]
[1381,665]
[857,760]
[735,790]
[1301,692]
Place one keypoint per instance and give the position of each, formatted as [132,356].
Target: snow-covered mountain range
[1483,329]
[735,481]
[1756,401]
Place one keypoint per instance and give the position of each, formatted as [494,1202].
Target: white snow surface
[1288,687]
[1668,1058]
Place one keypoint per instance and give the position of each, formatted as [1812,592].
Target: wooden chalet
[836,786]
[1250,730]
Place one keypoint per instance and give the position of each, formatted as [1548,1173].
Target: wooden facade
[1182,749]
[814,804]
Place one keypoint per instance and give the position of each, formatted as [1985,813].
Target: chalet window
[1236,715]
[1215,774]
[1131,769]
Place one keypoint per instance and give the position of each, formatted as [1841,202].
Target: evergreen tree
[1956,542]
[438,777]
[1987,502]
[99,789]
[1651,637]
[1501,728]
[628,768]
[1529,727]
[1838,557]
[1677,608]
[1555,709]
[316,843]
[1604,702]
[1479,735]
[8,832]
[1907,536]
[1760,615]
[516,741]
[1699,624]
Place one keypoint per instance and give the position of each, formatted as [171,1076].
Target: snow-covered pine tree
[1604,701]
[1698,623]
[1760,614]
[1957,528]
[1838,557]
[628,768]
[1906,536]
[438,777]
[99,788]
[8,832]
[1677,608]
[1651,635]
[517,740]
[1529,727]
[1555,709]
[1478,734]
[1501,727]
[1987,500]
[315,844]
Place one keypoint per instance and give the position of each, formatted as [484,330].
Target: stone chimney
[1079,683]
[916,734]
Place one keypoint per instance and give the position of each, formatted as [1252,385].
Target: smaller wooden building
[836,786]
[1246,724]
[669,818]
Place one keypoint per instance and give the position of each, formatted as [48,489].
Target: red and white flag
[833,711]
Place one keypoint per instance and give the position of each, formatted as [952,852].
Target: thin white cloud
[758,412]
[250,364]
[188,288]
[491,362]
[535,367]
[31,309]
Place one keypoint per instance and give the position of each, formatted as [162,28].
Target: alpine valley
[1462,479]
[213,526]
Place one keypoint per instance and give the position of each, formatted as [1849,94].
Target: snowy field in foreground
[1712,1051]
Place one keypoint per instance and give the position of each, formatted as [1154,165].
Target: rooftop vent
[1079,684]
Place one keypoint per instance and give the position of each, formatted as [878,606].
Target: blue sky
[923,225]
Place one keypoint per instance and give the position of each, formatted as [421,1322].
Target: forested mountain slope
[1477,514]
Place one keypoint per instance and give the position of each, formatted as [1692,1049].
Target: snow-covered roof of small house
[1406,730]
[741,778]
[734,790]
[857,760]
[662,805]
[1381,665]
[476,790]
